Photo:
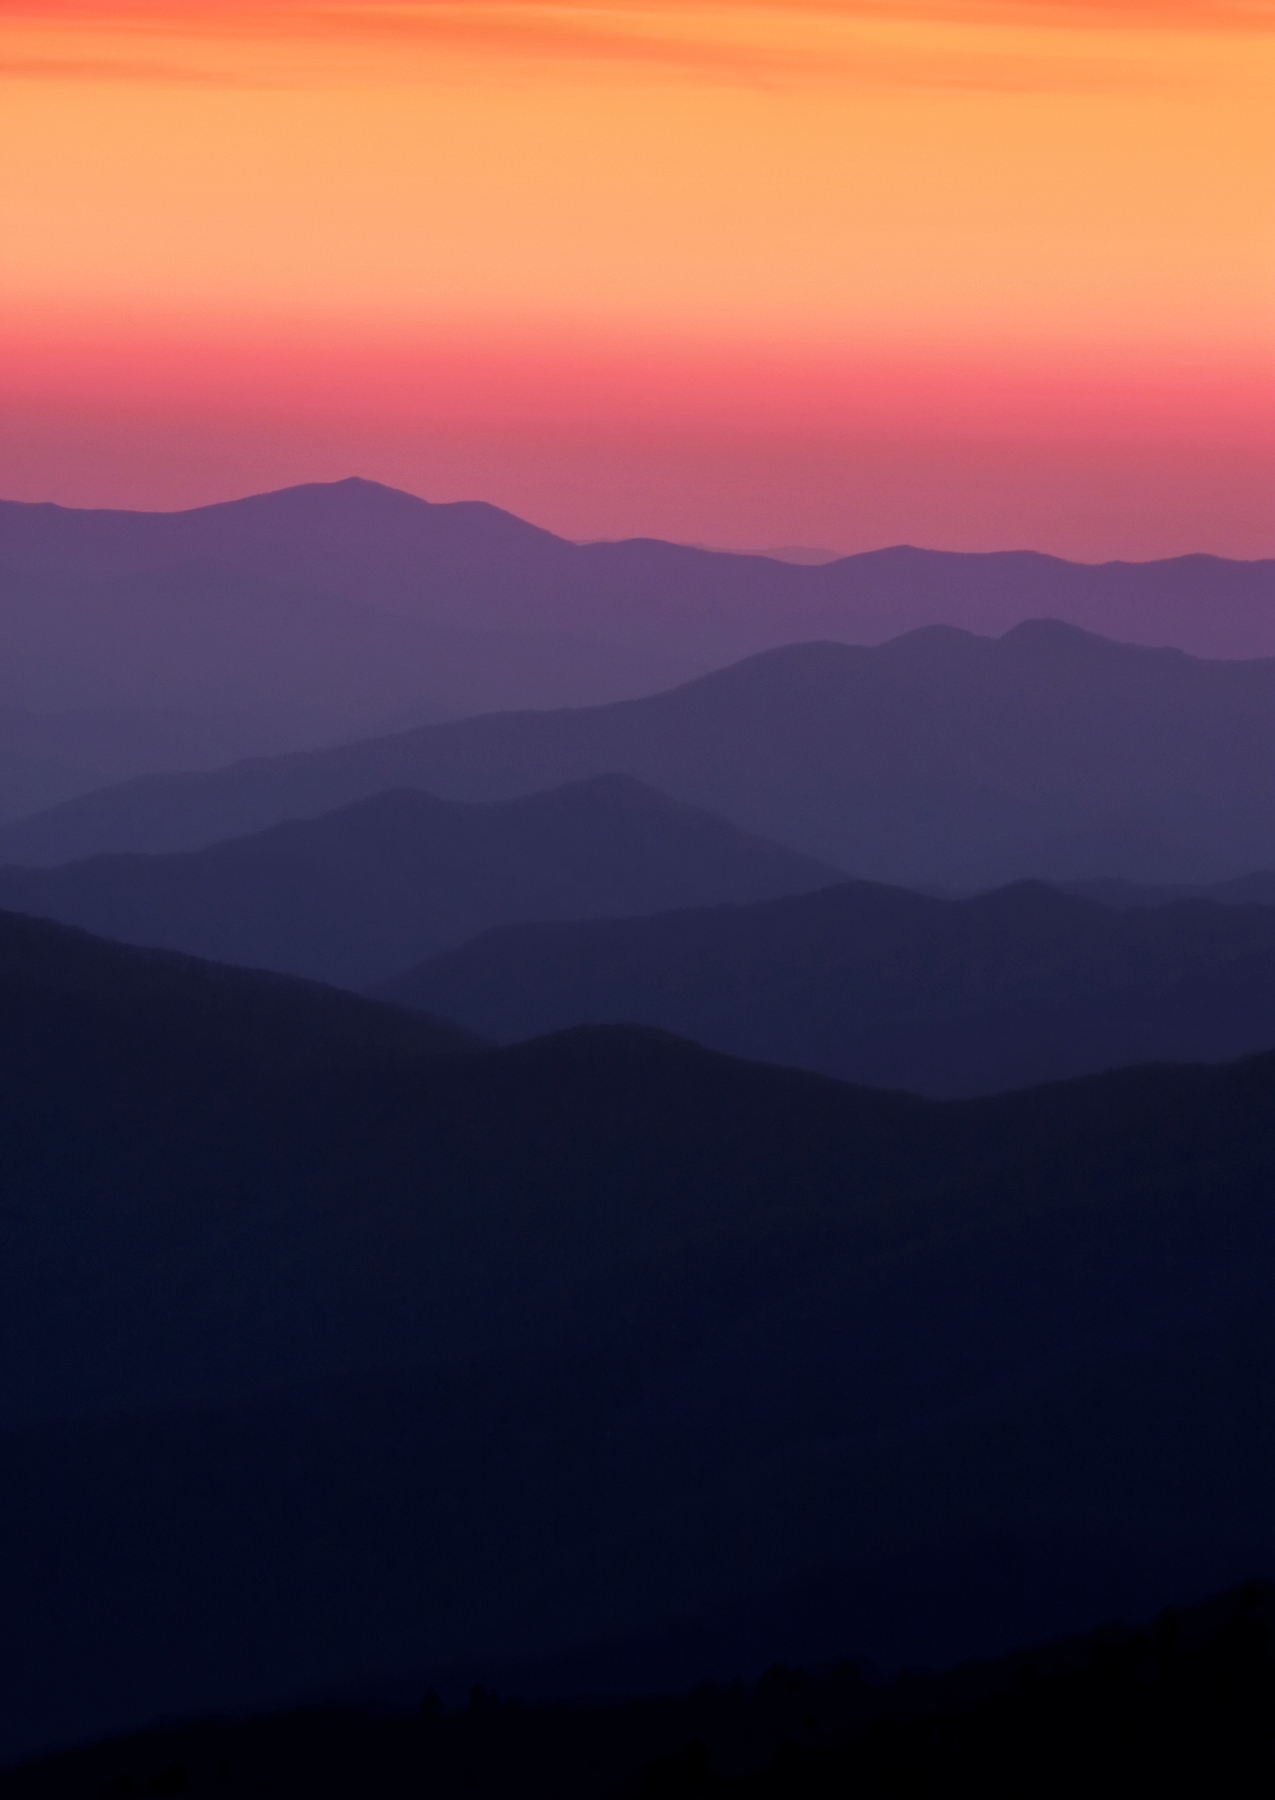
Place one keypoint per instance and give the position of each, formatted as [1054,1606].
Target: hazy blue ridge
[887,987]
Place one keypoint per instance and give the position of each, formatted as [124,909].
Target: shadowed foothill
[887,987]
[330,1372]
[360,893]
[1180,1706]
[796,1185]
[637,1167]
[335,612]
[939,759]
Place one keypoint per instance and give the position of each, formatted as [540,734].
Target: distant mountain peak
[377,497]
[1053,635]
[380,883]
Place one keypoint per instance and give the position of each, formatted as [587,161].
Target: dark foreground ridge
[1182,1706]
[258,1019]
[603,1356]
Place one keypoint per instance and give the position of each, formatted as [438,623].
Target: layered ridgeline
[260,1020]
[329,612]
[471,566]
[194,666]
[187,668]
[361,893]
[891,988]
[864,982]
[48,756]
[604,1357]
[938,759]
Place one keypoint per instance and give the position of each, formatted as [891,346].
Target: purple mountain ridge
[356,895]
[939,760]
[883,986]
[471,566]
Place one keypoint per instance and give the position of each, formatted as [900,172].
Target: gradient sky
[956,272]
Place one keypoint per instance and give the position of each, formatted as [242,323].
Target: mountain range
[473,567]
[360,893]
[939,759]
[886,987]
[604,901]
[326,612]
[47,757]
[351,1348]
[347,1366]
[261,1020]
[254,664]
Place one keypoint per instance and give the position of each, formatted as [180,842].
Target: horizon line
[795,556]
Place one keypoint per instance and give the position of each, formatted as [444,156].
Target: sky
[974,274]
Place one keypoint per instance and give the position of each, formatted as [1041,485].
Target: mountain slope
[357,894]
[318,1380]
[296,662]
[268,1021]
[324,612]
[1176,1705]
[470,565]
[198,637]
[938,759]
[895,989]
[48,757]
[1257,888]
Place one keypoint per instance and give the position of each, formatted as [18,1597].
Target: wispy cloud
[973,44]
[116,69]
[318,17]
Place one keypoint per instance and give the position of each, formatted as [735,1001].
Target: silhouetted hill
[48,757]
[1181,1706]
[318,1381]
[274,1021]
[472,566]
[321,611]
[357,894]
[1255,889]
[887,987]
[938,759]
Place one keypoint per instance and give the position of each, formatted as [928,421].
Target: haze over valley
[653,1260]
[637,900]
[357,894]
[886,987]
[345,610]
[936,759]
[687,1337]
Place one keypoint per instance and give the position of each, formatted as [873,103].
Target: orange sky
[960,273]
